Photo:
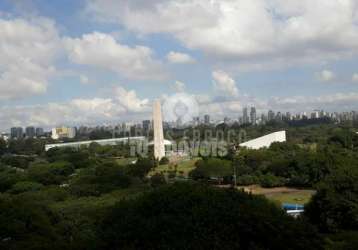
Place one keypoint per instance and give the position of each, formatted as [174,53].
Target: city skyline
[252,118]
[100,65]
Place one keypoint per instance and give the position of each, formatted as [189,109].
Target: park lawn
[282,194]
[125,161]
[301,197]
[184,166]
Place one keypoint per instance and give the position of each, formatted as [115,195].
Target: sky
[95,62]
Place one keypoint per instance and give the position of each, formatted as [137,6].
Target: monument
[159,147]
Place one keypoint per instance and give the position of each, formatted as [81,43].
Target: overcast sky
[68,62]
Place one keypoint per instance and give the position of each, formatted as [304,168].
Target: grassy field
[183,167]
[125,161]
[283,194]
[302,197]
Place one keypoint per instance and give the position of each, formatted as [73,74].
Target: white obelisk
[159,148]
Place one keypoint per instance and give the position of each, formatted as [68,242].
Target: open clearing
[183,167]
[282,194]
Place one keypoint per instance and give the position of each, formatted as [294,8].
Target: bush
[245,180]
[157,180]
[164,161]
[211,167]
[172,174]
[141,168]
[270,181]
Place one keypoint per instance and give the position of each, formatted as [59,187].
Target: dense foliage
[185,216]
[100,198]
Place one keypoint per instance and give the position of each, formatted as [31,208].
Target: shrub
[247,180]
[164,161]
[270,180]
[157,180]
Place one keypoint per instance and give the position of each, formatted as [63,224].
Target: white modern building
[265,141]
[103,142]
[63,132]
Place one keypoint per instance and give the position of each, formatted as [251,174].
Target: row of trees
[283,164]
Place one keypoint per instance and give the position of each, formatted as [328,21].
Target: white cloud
[224,83]
[102,50]
[84,79]
[121,104]
[180,58]
[355,77]
[326,75]
[28,49]
[130,101]
[179,86]
[251,32]
[333,102]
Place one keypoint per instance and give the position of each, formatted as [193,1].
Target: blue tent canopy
[288,206]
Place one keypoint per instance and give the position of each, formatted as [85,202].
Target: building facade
[63,132]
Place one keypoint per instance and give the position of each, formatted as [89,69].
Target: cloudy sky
[102,61]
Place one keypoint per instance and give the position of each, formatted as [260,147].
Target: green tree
[212,167]
[27,224]
[3,147]
[141,168]
[335,205]
[157,180]
[51,173]
[25,186]
[164,161]
[9,176]
[102,179]
[270,180]
[191,216]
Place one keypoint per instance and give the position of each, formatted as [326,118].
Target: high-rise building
[159,147]
[17,133]
[39,132]
[263,119]
[126,126]
[278,116]
[253,116]
[270,115]
[196,121]
[245,116]
[146,125]
[207,119]
[30,132]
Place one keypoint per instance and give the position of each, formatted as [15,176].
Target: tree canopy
[192,216]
